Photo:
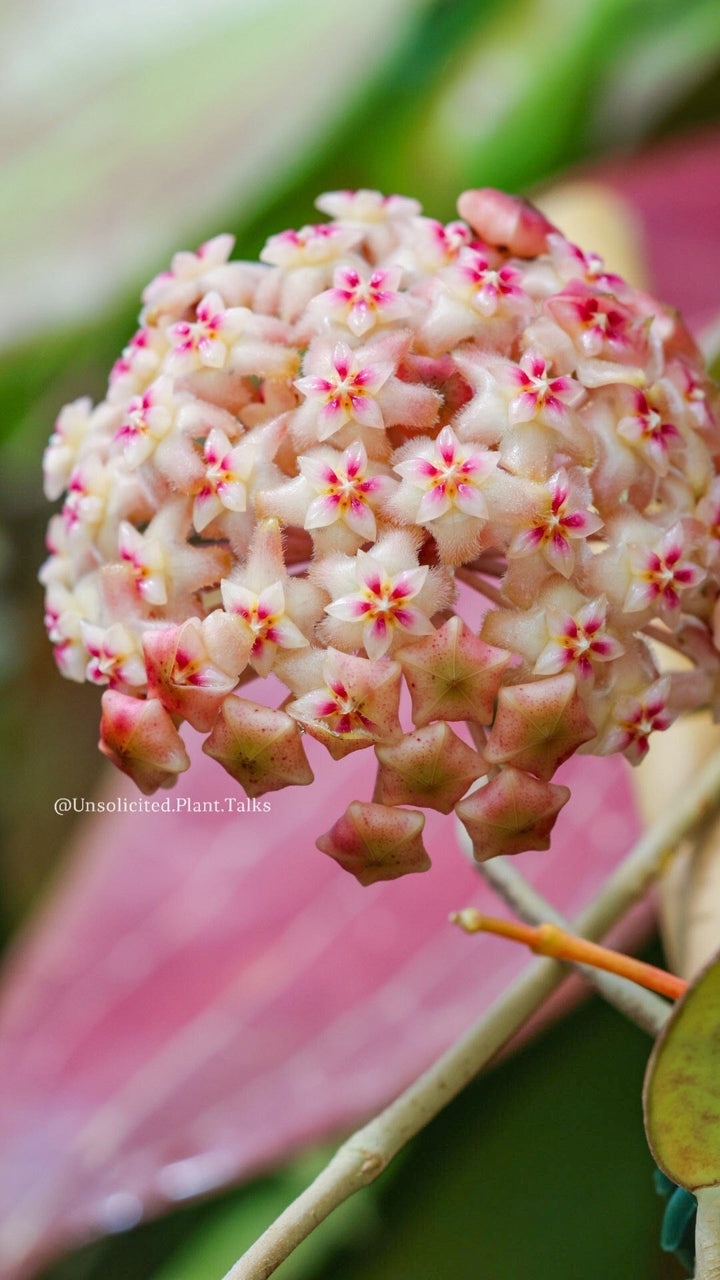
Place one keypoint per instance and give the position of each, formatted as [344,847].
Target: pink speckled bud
[374,843]
[141,739]
[260,748]
[505,220]
[511,813]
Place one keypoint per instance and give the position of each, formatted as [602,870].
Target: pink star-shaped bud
[192,668]
[358,704]
[141,739]
[511,813]
[505,220]
[539,725]
[453,675]
[560,519]
[375,843]
[260,748]
[578,640]
[660,576]
[431,767]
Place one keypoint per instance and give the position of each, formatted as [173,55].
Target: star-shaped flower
[272,608]
[227,474]
[539,725]
[483,286]
[71,428]
[206,341]
[115,656]
[634,718]
[361,301]
[346,390]
[148,560]
[259,747]
[449,477]
[645,428]
[431,767]
[511,813]
[345,491]
[192,668]
[558,519]
[375,843]
[148,419]
[264,616]
[382,604]
[453,675]
[578,640]
[314,245]
[600,327]
[539,395]
[357,705]
[660,576]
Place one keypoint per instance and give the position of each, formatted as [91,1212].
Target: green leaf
[682,1087]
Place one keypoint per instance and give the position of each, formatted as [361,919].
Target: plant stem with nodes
[368,1151]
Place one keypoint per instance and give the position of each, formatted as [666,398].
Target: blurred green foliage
[540,1169]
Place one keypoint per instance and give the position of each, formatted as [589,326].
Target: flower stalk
[549,940]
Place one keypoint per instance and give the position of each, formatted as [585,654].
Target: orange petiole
[549,940]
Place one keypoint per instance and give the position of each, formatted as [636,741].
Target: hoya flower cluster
[299,461]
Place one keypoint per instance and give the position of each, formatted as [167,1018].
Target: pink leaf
[206,991]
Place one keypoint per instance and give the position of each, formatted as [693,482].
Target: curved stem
[707,1234]
[363,1157]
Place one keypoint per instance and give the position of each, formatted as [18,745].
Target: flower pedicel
[297,462]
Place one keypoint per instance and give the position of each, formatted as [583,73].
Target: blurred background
[132,128]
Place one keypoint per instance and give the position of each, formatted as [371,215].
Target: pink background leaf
[208,991]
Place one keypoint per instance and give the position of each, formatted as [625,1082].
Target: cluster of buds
[299,461]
